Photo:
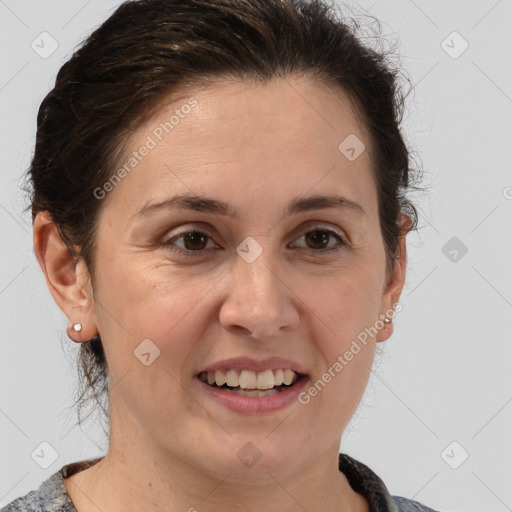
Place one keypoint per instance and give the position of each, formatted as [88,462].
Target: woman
[219,210]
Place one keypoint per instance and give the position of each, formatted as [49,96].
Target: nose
[260,303]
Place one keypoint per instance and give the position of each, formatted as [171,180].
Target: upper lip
[248,363]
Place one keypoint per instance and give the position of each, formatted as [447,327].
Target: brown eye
[317,239]
[189,242]
[194,240]
[322,240]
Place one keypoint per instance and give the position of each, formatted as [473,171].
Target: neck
[135,475]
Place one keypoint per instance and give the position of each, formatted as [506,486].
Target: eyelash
[169,244]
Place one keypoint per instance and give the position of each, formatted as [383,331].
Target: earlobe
[385,328]
[67,278]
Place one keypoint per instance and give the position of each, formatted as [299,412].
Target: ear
[67,278]
[395,284]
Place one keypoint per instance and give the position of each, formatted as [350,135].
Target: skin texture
[255,147]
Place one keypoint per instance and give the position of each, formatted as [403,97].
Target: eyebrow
[208,205]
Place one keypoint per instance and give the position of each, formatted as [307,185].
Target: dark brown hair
[150,49]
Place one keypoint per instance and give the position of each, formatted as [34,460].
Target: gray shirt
[52,496]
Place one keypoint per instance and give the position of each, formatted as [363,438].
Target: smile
[256,383]
[253,392]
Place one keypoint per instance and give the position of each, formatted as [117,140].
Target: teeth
[255,393]
[247,379]
[265,380]
[289,377]
[220,379]
[279,377]
[231,378]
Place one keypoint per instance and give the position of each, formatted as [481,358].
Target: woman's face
[264,279]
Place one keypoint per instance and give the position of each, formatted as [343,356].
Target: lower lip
[255,405]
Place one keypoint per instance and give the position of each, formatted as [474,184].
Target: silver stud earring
[77,327]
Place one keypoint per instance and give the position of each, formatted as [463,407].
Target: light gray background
[445,373]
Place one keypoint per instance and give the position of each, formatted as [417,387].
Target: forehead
[284,135]
[250,112]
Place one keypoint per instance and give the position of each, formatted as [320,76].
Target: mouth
[253,384]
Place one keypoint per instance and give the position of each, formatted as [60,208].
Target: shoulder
[51,495]
[406,505]
[367,483]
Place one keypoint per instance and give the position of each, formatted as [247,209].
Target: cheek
[151,312]
[343,310]
[144,293]
[335,395]
[137,302]
[343,303]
